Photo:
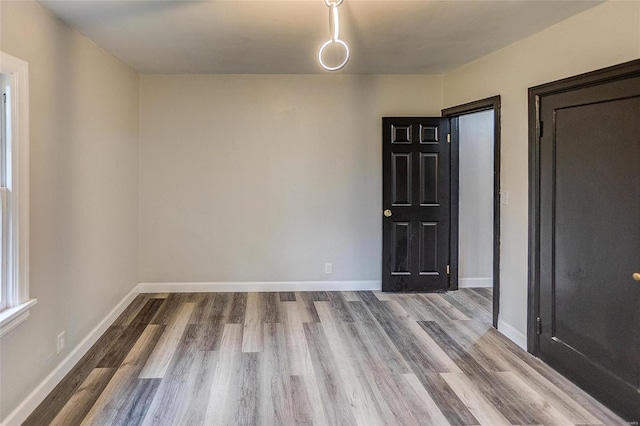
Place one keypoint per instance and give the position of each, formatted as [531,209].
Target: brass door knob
[636,276]
[387,213]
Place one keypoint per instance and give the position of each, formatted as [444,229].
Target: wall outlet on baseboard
[328,268]
[62,340]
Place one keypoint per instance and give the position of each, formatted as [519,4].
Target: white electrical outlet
[328,268]
[62,337]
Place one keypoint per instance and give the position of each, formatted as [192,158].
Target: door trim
[492,103]
[594,78]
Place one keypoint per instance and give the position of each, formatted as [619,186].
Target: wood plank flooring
[313,358]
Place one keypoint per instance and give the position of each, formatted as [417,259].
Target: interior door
[415,203]
[590,240]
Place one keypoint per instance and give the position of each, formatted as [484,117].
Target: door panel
[401,249]
[416,191]
[401,179]
[590,239]
[428,248]
[429,179]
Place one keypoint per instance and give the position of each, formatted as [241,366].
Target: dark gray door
[415,203]
[590,239]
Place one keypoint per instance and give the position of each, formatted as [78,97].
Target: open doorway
[475,179]
[475,197]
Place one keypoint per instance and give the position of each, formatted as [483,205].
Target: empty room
[319,212]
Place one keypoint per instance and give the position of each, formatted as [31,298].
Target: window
[14,193]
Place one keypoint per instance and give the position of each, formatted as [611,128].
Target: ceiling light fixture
[334,32]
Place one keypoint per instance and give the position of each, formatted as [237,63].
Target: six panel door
[415,203]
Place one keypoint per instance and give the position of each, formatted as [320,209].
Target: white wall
[83,191]
[264,177]
[476,200]
[605,35]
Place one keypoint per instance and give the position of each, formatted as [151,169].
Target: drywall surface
[605,35]
[267,178]
[476,199]
[83,191]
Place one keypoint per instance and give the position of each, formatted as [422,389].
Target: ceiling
[283,37]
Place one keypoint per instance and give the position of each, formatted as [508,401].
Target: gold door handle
[387,213]
[636,276]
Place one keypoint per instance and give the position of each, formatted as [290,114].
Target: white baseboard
[475,282]
[31,402]
[201,287]
[512,334]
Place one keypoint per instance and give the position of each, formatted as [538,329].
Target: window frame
[16,292]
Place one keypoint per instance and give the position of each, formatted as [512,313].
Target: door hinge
[538,326]
[448,137]
[540,128]
[448,270]
[4,98]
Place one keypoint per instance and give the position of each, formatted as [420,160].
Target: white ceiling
[282,37]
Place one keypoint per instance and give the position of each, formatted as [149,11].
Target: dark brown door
[415,203]
[590,239]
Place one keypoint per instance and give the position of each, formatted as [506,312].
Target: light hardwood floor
[326,358]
